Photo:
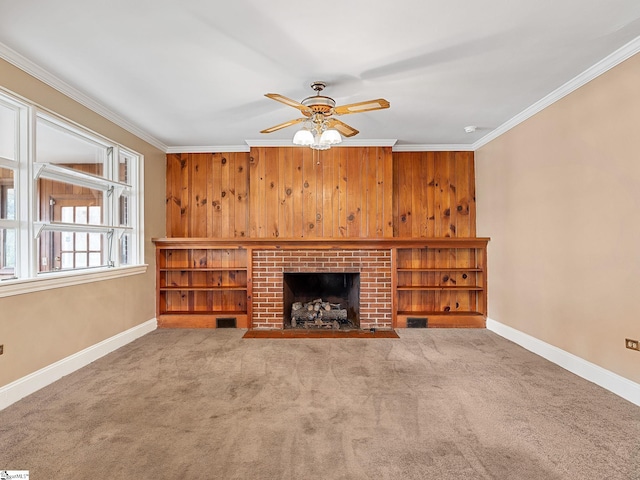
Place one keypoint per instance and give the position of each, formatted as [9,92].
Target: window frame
[27,224]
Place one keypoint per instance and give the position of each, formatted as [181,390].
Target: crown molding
[208,149]
[48,78]
[383,142]
[606,64]
[346,143]
[436,147]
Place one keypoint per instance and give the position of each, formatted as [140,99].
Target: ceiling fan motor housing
[319,103]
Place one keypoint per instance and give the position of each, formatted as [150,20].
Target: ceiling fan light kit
[303,137]
[321,130]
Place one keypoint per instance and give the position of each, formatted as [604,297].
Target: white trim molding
[602,377]
[349,142]
[33,382]
[606,64]
[43,75]
[435,147]
[209,149]
[51,280]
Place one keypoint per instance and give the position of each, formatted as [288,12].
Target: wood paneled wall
[344,192]
[337,193]
[207,195]
[434,194]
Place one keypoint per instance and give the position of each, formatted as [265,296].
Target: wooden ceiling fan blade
[283,125]
[344,129]
[287,101]
[367,106]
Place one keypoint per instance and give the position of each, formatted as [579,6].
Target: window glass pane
[64,202]
[81,242]
[95,215]
[7,195]
[8,125]
[95,241]
[66,241]
[81,215]
[95,259]
[67,260]
[59,146]
[123,210]
[81,260]
[67,214]
[7,252]
[72,250]
[123,168]
[125,255]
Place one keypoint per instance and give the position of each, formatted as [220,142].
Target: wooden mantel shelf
[323,243]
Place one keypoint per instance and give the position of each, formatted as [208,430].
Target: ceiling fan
[322,130]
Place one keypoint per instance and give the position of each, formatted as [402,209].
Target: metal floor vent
[417,322]
[226,322]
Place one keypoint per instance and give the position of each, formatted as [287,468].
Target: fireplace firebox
[329,300]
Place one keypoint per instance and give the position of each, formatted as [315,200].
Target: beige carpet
[433,404]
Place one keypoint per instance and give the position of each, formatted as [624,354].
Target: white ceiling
[189,74]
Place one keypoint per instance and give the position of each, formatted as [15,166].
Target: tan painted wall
[41,328]
[559,195]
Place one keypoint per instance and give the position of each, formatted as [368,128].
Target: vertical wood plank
[257,189]
[387,186]
[463,224]
[298,193]
[308,193]
[287,192]
[271,204]
[430,194]
[472,195]
[370,200]
[320,181]
[354,212]
[242,194]
[198,173]
[380,193]
[404,194]
[328,193]
[222,191]
[172,203]
[185,197]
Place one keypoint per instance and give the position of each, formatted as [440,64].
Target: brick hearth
[270,265]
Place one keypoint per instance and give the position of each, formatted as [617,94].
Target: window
[69,205]
[9,121]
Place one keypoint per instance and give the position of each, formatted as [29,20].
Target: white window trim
[66,279]
[32,281]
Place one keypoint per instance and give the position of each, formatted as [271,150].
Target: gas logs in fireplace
[318,314]
[322,300]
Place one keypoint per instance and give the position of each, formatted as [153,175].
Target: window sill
[58,280]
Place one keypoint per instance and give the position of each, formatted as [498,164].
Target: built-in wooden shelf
[417,288]
[202,279]
[203,288]
[197,269]
[418,270]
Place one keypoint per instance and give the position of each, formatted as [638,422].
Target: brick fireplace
[372,265]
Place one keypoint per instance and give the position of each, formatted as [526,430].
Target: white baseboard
[613,382]
[33,382]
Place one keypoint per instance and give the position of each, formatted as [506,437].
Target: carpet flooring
[431,404]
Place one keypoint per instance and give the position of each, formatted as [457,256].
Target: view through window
[73,204]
